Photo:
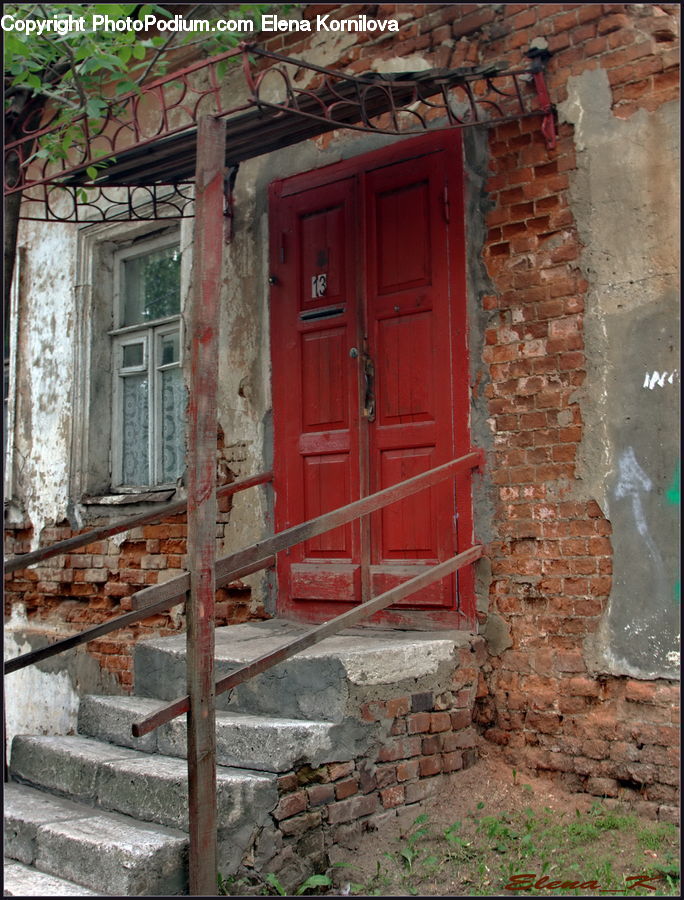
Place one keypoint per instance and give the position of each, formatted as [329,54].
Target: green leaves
[274,881]
[76,70]
[95,106]
[312,882]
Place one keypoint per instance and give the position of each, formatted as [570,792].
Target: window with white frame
[148,393]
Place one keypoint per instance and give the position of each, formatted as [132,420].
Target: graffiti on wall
[660,379]
[673,495]
[634,483]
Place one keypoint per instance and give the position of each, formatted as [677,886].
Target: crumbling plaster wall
[625,200]
[44,699]
[42,381]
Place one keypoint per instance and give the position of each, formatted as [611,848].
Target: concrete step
[244,741]
[151,788]
[326,682]
[67,845]
[25,881]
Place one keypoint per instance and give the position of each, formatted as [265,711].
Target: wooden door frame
[449,141]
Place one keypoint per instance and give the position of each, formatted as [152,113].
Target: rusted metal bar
[164,511]
[90,634]
[202,506]
[140,612]
[226,565]
[266,563]
[315,636]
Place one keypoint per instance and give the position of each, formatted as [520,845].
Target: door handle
[369,376]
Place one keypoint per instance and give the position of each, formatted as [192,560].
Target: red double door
[370,378]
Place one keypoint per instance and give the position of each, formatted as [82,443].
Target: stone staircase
[309,754]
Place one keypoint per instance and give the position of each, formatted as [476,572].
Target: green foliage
[274,881]
[223,884]
[82,71]
[312,883]
[478,855]
[657,835]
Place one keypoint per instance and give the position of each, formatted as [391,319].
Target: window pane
[151,286]
[133,355]
[173,427]
[170,347]
[135,427]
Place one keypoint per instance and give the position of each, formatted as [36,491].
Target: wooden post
[202,506]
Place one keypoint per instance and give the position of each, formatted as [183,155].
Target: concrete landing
[326,682]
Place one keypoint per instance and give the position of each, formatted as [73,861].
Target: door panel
[326,486]
[405,371]
[366,273]
[315,390]
[408,311]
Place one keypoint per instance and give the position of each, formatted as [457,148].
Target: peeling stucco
[43,417]
[626,208]
[44,698]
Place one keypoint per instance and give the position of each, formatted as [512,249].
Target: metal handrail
[283,540]
[23,560]
[315,636]
[158,598]
[123,621]
[295,535]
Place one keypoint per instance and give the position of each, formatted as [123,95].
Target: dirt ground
[496,823]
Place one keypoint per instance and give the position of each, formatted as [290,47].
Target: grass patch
[534,852]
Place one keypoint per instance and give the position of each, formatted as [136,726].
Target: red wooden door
[370,377]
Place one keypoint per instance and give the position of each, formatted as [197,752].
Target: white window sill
[161,496]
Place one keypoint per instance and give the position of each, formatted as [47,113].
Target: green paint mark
[673,493]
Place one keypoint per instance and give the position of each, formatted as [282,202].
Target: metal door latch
[369,375]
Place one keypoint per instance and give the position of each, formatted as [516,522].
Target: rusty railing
[260,555]
[163,511]
[24,560]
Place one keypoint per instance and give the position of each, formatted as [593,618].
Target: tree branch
[72,65]
[164,47]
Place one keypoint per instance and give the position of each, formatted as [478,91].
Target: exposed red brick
[418,723]
[344,789]
[440,721]
[407,770]
[320,794]
[392,796]
[400,749]
[430,765]
[353,808]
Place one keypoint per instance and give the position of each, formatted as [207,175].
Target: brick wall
[422,740]
[77,590]
[552,562]
[551,557]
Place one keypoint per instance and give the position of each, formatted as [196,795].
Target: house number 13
[319,284]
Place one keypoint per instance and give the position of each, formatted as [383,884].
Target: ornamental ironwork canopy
[144,147]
